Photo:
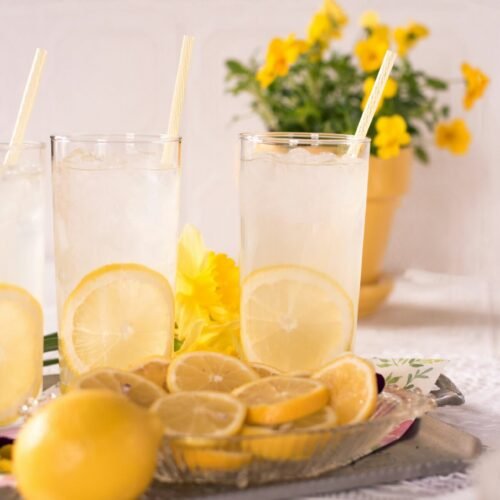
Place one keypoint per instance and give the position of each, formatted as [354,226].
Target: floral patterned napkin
[410,373]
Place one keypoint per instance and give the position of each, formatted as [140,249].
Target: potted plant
[308,85]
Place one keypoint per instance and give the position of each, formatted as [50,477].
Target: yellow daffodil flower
[281,54]
[475,84]
[407,37]
[454,136]
[391,135]
[223,338]
[326,24]
[195,282]
[207,296]
[369,19]
[227,277]
[206,281]
[390,90]
[370,53]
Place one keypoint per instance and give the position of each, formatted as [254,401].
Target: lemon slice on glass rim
[294,318]
[116,317]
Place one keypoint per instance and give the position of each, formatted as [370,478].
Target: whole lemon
[87,445]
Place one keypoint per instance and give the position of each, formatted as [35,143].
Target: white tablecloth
[434,315]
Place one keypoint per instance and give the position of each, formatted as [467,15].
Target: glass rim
[123,138]
[26,145]
[302,138]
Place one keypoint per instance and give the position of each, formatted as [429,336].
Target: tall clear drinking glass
[116,204]
[303,201]
[22,196]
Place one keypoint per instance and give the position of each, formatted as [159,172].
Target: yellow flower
[391,135]
[371,52]
[454,136]
[227,277]
[327,24]
[265,76]
[320,30]
[281,54]
[390,90]
[369,19]
[224,338]
[206,282]
[475,84]
[195,283]
[207,297]
[381,32]
[336,14]
[407,37]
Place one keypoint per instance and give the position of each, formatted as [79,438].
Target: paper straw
[24,113]
[178,96]
[373,100]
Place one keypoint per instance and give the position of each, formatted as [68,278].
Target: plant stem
[49,362]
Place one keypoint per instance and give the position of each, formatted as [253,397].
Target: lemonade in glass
[116,204]
[303,201]
[22,196]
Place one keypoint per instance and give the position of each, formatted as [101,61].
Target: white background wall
[111,67]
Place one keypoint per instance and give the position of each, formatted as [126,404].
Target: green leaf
[50,342]
[236,67]
[436,83]
[177,344]
[421,153]
[391,379]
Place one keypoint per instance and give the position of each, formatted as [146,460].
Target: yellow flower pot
[388,181]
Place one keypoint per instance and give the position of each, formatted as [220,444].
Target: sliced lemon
[204,414]
[300,374]
[326,418]
[294,318]
[353,388]
[117,316]
[136,388]
[21,350]
[285,444]
[264,370]
[277,400]
[154,369]
[207,371]
[209,459]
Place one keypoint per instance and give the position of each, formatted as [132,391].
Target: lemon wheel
[208,371]
[116,317]
[294,318]
[280,399]
[205,414]
[353,387]
[21,347]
